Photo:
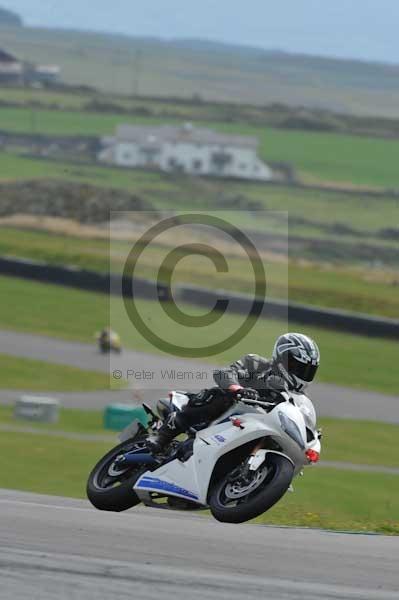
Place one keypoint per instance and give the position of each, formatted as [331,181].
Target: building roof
[153,136]
[11,69]
[5,57]
[48,69]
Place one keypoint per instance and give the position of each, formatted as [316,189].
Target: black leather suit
[251,371]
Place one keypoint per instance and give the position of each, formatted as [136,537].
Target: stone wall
[80,202]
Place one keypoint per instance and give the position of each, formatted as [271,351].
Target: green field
[357,442]
[281,116]
[349,360]
[342,500]
[57,466]
[344,288]
[323,498]
[86,422]
[316,156]
[35,375]
[316,232]
[48,98]
[310,211]
[51,310]
[360,442]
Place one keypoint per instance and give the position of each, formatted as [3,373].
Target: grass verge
[348,360]
[345,440]
[341,500]
[310,210]
[360,442]
[323,498]
[35,376]
[57,466]
[71,420]
[337,287]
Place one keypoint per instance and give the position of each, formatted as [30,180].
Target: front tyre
[111,488]
[239,496]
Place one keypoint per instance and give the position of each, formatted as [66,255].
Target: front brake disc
[239,490]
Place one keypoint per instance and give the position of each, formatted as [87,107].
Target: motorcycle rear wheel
[110,489]
[231,503]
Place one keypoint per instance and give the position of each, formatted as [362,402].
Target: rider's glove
[240,392]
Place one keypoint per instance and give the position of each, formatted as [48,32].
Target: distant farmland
[317,156]
[214,71]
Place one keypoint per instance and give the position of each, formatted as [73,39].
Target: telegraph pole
[137,73]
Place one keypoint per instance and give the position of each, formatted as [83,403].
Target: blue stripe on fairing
[164,486]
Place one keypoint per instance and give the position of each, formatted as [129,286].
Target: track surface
[330,400]
[62,548]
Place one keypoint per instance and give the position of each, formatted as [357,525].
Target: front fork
[255,459]
[258,446]
[258,457]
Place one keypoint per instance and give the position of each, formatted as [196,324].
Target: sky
[361,29]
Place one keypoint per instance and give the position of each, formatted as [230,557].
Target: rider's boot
[159,440]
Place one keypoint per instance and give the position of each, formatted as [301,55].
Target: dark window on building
[221,159]
[150,154]
[197,164]
[175,165]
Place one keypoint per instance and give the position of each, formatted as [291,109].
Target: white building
[185,149]
[11,70]
[14,71]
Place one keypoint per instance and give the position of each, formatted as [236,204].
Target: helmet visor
[301,370]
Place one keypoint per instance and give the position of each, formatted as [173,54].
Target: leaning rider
[293,366]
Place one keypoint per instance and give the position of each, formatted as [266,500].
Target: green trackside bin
[119,416]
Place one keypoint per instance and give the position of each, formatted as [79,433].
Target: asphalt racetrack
[62,548]
[330,400]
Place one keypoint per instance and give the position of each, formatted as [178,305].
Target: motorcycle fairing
[190,479]
[154,484]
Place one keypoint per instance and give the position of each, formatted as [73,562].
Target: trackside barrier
[80,278]
[119,416]
[349,322]
[107,283]
[37,408]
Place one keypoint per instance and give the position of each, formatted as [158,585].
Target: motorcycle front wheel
[237,498]
[110,488]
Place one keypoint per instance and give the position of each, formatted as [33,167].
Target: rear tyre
[236,501]
[109,488]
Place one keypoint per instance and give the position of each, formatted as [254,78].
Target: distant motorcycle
[238,467]
[109,341]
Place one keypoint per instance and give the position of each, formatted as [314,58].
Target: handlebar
[261,403]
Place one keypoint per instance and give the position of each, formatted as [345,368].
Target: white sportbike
[239,466]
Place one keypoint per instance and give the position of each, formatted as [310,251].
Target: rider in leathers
[293,366]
